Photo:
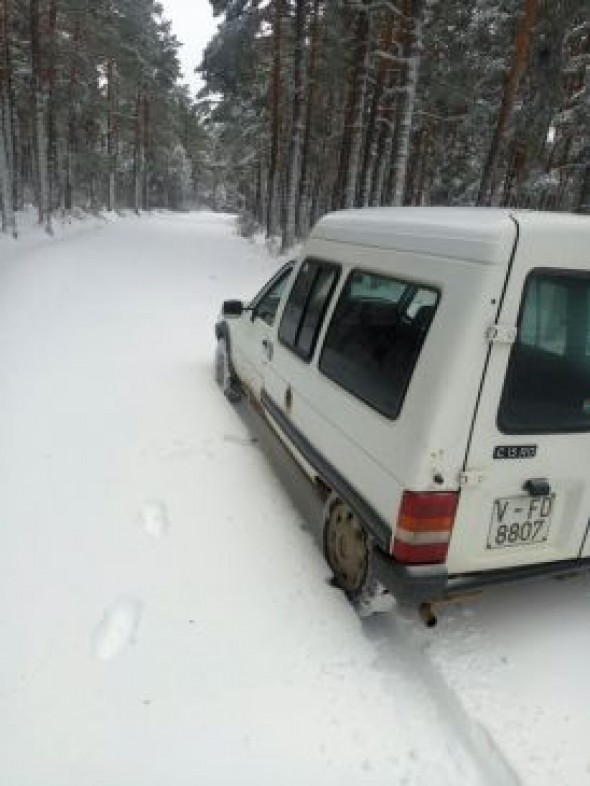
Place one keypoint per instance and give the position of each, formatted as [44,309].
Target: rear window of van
[547,385]
[375,337]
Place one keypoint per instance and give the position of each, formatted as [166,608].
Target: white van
[430,369]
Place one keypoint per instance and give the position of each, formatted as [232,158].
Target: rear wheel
[347,549]
[223,374]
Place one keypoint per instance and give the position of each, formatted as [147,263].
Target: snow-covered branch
[442,118]
[578,96]
[577,62]
[583,27]
[390,91]
[391,58]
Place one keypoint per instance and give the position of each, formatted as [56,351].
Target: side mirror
[232,308]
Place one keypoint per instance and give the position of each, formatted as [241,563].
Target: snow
[154,518]
[165,614]
[117,628]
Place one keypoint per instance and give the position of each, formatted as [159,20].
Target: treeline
[326,104]
[91,114]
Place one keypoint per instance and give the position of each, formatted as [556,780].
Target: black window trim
[322,263]
[287,268]
[412,285]
[557,272]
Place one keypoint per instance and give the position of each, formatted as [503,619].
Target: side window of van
[306,306]
[547,385]
[375,337]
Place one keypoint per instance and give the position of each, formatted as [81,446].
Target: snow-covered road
[165,617]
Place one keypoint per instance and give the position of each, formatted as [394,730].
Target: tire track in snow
[392,632]
[474,738]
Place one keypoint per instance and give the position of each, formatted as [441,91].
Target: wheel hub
[346,544]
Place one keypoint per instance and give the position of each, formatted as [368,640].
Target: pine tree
[412,51]
[397,100]
[518,65]
[274,175]
[297,127]
[6,126]
[88,90]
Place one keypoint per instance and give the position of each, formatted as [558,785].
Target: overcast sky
[194,26]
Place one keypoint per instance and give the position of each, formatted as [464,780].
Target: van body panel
[480,236]
[545,242]
[248,354]
[379,456]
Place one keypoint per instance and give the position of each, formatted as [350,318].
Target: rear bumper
[415,584]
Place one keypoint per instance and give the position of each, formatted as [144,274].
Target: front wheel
[223,374]
[347,549]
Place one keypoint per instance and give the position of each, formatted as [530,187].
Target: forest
[92,114]
[307,106]
[318,105]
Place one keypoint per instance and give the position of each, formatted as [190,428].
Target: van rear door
[525,495]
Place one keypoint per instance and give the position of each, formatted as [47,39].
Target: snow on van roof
[483,235]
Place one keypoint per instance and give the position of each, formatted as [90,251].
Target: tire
[348,549]
[223,373]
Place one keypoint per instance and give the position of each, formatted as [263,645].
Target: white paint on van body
[465,254]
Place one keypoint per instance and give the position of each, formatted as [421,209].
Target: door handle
[537,487]
[267,346]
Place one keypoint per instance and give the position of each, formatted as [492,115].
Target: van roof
[475,234]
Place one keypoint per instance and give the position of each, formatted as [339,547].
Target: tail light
[424,526]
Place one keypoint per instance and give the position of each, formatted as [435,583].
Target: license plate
[520,521]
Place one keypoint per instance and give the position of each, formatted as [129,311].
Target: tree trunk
[327,155]
[383,156]
[384,144]
[583,205]
[357,118]
[303,202]
[7,162]
[352,137]
[70,147]
[273,217]
[145,143]
[8,222]
[297,128]
[373,125]
[9,122]
[420,179]
[51,123]
[38,117]
[262,190]
[111,140]
[407,100]
[414,167]
[519,61]
[137,155]
[41,139]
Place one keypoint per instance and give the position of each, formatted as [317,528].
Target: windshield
[547,387]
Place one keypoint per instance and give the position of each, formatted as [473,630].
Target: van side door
[300,325]
[253,340]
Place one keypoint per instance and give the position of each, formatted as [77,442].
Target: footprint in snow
[117,628]
[154,518]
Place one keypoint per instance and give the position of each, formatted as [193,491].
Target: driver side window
[266,308]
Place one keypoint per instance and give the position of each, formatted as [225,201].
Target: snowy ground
[165,617]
